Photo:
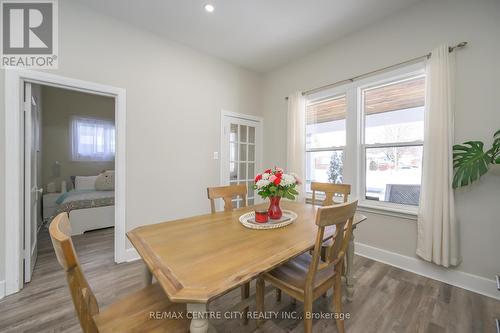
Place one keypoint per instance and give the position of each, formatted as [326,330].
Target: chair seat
[133,313]
[293,274]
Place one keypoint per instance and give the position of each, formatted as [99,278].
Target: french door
[241,152]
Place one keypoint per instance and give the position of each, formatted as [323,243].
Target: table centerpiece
[276,184]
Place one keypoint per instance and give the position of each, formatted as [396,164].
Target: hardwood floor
[386,299]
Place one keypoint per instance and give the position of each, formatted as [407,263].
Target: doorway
[15,81]
[69,165]
[241,152]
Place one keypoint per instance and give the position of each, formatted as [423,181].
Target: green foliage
[470,161]
[272,190]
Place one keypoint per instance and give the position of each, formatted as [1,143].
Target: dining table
[200,258]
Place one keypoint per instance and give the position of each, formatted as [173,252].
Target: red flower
[277,181]
[258,177]
[267,171]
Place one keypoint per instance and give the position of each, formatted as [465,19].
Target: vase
[275,212]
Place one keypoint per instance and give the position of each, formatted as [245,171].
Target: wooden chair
[130,314]
[227,194]
[307,277]
[330,191]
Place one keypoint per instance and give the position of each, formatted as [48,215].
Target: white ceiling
[257,34]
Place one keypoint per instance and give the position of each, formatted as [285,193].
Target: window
[369,133]
[325,139]
[393,137]
[92,139]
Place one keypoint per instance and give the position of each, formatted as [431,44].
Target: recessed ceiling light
[209,8]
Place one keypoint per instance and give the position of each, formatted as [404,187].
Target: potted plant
[470,161]
[275,184]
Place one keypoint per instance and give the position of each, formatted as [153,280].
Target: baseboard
[131,255]
[2,289]
[453,277]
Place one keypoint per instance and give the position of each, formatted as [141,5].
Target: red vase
[275,212]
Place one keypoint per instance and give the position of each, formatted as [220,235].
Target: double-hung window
[392,131]
[379,122]
[325,139]
[92,139]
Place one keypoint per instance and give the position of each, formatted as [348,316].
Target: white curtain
[296,138]
[92,139]
[437,226]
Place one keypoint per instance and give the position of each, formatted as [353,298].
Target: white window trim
[354,156]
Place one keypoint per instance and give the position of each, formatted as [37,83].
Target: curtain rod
[331,85]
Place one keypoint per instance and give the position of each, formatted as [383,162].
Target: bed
[87,209]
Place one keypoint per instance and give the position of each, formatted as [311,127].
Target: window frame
[73,154]
[324,96]
[400,75]
[354,151]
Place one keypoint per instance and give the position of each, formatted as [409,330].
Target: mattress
[83,199]
[84,195]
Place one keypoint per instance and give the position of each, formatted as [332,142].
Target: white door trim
[14,84]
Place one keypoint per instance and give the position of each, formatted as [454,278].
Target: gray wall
[404,35]
[59,105]
[174,99]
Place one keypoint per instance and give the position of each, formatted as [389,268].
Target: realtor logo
[29,33]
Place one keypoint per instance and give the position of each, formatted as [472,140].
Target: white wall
[407,34]
[2,181]
[174,96]
[59,105]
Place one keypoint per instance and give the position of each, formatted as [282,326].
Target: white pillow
[85,183]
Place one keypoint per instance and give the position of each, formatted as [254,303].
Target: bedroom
[73,163]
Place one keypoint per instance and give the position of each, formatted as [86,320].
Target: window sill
[404,212]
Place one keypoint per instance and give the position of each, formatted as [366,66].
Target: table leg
[199,321]
[349,278]
[148,276]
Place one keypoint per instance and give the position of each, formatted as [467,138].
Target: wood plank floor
[386,299]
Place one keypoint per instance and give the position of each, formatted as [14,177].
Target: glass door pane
[240,155]
[242,158]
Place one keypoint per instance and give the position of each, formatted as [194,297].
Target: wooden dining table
[198,259]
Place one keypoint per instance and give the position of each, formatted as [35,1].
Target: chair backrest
[342,217]
[330,190]
[83,298]
[227,193]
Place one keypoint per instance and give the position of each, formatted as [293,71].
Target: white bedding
[84,195]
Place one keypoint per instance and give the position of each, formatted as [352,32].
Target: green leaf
[470,162]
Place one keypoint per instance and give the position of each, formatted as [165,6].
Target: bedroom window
[325,139]
[92,139]
[393,131]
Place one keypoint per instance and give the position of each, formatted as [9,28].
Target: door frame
[30,252]
[14,164]
[259,149]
